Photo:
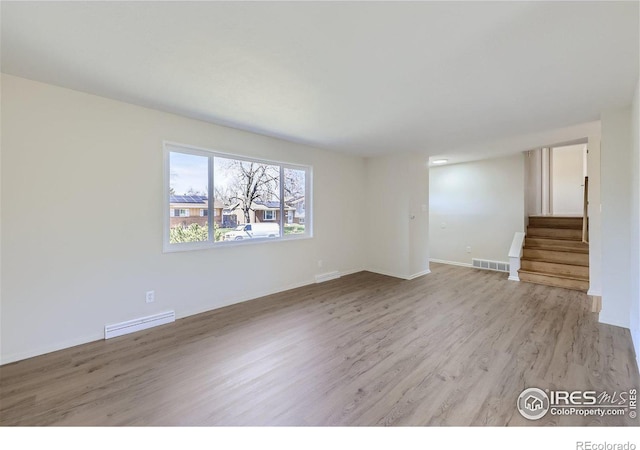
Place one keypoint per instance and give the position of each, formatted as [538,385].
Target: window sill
[192,246]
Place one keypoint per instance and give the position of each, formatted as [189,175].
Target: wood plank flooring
[455,347]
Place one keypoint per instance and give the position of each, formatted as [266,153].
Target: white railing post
[515,252]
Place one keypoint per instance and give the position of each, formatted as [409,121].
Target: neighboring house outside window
[190,209]
[263,212]
[195,173]
[299,205]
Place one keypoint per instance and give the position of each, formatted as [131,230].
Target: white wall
[478,204]
[616,216]
[635,222]
[418,185]
[533,183]
[518,143]
[82,219]
[567,179]
[397,189]
[595,216]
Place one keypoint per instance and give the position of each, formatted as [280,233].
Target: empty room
[320,214]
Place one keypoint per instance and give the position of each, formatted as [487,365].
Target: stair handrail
[585,212]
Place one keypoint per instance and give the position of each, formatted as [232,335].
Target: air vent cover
[486,264]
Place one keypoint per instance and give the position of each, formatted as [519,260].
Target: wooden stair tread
[572,258]
[528,258]
[556,262]
[554,233]
[555,275]
[558,249]
[554,280]
[571,223]
[555,268]
[554,218]
[557,241]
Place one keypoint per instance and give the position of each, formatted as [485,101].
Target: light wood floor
[455,347]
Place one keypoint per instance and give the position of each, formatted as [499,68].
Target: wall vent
[131,326]
[490,265]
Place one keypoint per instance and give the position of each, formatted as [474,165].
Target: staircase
[554,253]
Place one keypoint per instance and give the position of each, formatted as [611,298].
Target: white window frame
[169,147]
[272,213]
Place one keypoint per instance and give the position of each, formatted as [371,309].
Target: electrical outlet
[320,263]
[151,296]
[468,249]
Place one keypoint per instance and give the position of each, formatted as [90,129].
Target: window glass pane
[247,193]
[188,191]
[252,200]
[294,201]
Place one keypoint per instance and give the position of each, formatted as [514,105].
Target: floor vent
[131,326]
[490,265]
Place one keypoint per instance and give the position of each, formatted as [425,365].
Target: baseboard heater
[327,276]
[131,326]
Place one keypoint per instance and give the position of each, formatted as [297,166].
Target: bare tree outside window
[244,184]
[295,200]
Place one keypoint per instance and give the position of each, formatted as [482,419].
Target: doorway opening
[555,180]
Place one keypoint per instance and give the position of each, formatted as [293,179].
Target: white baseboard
[513,278]
[98,336]
[246,298]
[385,273]
[595,293]
[419,274]
[344,273]
[321,278]
[396,275]
[193,312]
[13,357]
[451,263]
